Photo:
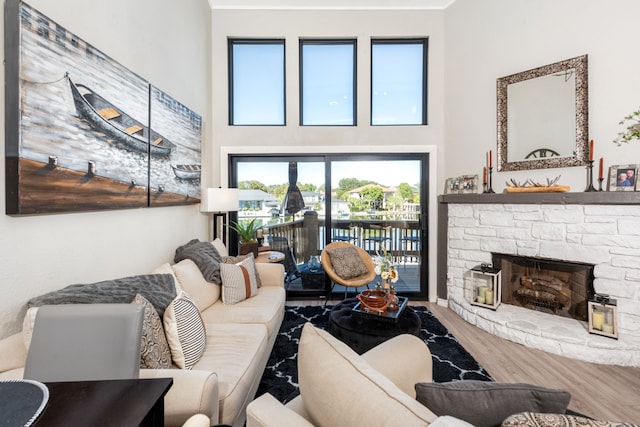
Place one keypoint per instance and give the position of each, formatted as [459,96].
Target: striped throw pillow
[185,331]
[238,281]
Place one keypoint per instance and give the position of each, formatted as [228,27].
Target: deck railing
[306,237]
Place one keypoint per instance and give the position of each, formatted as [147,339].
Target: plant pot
[250,247]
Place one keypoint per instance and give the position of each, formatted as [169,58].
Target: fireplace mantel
[592,198]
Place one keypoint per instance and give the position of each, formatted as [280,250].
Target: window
[256,82]
[399,82]
[327,82]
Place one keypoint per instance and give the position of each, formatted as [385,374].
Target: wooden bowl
[374,300]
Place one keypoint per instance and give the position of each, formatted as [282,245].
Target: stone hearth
[607,236]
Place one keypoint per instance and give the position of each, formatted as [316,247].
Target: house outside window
[328,82]
[256,82]
[399,82]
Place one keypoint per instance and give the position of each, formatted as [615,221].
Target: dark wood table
[122,403]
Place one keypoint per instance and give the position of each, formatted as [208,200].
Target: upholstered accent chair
[348,265]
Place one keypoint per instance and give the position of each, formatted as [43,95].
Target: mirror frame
[581,156]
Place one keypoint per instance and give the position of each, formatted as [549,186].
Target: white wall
[293,138]
[489,39]
[165,42]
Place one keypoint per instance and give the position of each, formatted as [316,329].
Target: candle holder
[590,186]
[600,184]
[603,314]
[484,287]
[490,188]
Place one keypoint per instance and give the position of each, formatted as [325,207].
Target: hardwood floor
[603,392]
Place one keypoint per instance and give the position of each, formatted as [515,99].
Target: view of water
[50,125]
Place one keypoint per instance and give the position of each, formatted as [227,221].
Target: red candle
[591,150]
[484,179]
[490,158]
[601,168]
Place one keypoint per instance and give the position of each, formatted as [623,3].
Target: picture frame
[452,186]
[623,177]
[469,184]
[83,132]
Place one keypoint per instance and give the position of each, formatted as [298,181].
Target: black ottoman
[363,333]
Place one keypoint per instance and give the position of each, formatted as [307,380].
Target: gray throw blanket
[159,289]
[205,256]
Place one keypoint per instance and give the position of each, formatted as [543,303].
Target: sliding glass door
[375,201]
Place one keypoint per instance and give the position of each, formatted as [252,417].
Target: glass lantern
[485,286]
[603,313]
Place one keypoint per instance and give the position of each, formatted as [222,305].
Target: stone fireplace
[550,286]
[601,242]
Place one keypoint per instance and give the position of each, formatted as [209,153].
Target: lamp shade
[220,200]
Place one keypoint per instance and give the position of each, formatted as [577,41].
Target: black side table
[363,333]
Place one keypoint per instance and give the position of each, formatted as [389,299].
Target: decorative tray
[388,316]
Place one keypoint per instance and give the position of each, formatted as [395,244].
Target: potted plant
[247,233]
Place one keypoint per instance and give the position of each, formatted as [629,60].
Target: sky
[388,173]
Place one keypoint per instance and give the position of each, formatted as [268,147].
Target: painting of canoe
[187,171]
[83,132]
[115,123]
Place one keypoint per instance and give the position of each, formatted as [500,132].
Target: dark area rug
[450,360]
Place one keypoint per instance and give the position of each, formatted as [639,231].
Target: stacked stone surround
[607,236]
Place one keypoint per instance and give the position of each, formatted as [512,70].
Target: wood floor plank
[603,392]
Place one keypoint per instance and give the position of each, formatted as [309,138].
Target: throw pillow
[240,258]
[154,349]
[206,257]
[191,280]
[185,331]
[487,404]
[334,380]
[346,262]
[238,281]
[528,419]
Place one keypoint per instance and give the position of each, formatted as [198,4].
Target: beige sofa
[239,339]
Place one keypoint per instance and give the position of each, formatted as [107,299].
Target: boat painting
[115,123]
[187,171]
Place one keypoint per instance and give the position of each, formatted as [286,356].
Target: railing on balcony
[306,236]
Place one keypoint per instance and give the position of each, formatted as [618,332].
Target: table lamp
[220,201]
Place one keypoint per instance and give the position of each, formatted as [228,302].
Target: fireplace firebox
[551,286]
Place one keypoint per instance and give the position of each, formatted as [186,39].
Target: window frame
[310,42]
[231,42]
[424,41]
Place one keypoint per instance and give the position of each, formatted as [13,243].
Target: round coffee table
[364,333]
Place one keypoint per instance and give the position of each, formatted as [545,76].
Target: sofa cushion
[266,308]
[237,353]
[185,331]
[240,258]
[238,281]
[486,404]
[206,257]
[346,262]
[191,280]
[334,381]
[220,247]
[154,349]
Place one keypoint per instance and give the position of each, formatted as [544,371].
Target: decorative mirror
[543,117]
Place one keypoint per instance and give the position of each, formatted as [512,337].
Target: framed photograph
[622,177]
[469,184]
[452,186]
